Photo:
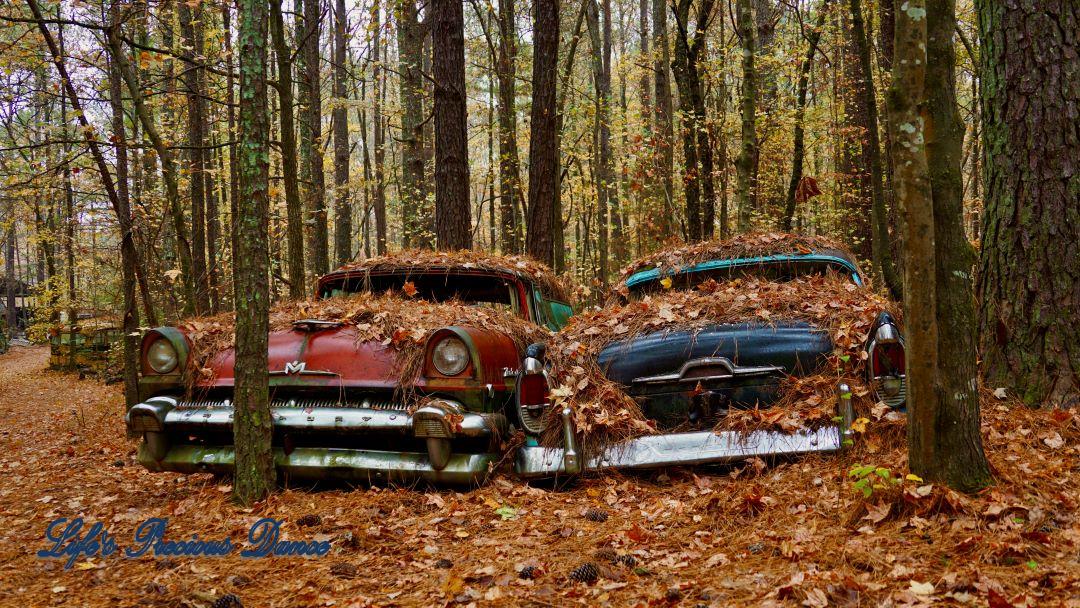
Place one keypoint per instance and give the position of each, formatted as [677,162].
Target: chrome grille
[532,419]
[227,404]
[429,427]
[894,402]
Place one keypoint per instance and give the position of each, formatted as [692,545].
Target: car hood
[327,357]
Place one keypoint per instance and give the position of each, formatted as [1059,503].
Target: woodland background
[582,133]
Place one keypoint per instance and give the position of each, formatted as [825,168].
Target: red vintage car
[337,402]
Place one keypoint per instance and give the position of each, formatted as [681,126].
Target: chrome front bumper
[161,420]
[686,449]
[329,463]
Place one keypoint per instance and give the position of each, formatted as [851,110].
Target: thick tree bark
[663,120]
[191,33]
[799,147]
[509,164]
[452,221]
[880,241]
[130,322]
[746,188]
[252,425]
[312,180]
[417,216]
[855,190]
[543,146]
[957,457]
[342,206]
[1029,278]
[294,210]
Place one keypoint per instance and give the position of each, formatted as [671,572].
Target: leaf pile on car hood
[830,302]
[450,261]
[742,246]
[392,319]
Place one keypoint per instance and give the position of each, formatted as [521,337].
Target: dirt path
[748,537]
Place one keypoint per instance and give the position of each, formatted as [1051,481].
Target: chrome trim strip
[733,371]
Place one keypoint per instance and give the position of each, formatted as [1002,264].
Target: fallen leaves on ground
[756,534]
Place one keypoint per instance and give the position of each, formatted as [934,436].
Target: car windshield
[481,290]
[782,269]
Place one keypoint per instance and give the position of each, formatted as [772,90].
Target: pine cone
[597,515]
[227,601]
[626,560]
[529,573]
[444,563]
[585,573]
[606,554]
[311,519]
[344,570]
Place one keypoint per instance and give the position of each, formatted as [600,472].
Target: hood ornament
[299,368]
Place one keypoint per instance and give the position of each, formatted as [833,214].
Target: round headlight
[450,356]
[161,356]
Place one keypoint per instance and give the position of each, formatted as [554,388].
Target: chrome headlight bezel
[162,356]
[450,356]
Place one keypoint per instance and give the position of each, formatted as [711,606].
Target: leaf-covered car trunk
[694,376]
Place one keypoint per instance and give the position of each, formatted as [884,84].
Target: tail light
[888,359]
[888,365]
[531,394]
[533,390]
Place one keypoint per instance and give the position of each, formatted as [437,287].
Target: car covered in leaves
[767,344]
[90,347]
[401,367]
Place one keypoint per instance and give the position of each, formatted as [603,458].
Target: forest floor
[788,533]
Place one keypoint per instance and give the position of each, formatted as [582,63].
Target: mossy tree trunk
[1029,272]
[252,425]
[957,457]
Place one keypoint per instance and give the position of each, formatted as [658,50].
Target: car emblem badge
[295,367]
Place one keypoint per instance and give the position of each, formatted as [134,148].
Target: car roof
[822,255]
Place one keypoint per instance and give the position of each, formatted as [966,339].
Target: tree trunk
[509,164]
[907,99]
[1029,317]
[697,150]
[880,241]
[230,99]
[543,134]
[956,457]
[294,210]
[342,207]
[746,188]
[452,222]
[664,125]
[605,178]
[379,137]
[799,148]
[252,425]
[313,186]
[417,218]
[191,31]
[130,322]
